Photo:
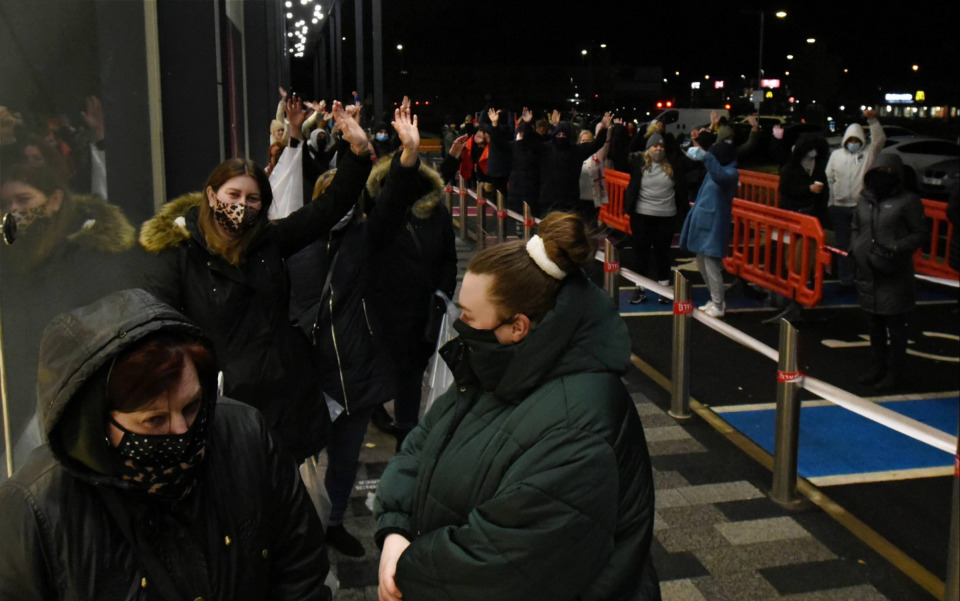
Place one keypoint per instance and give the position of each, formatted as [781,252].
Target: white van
[683,121]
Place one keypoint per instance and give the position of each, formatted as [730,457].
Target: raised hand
[456,149]
[527,115]
[754,122]
[409,134]
[555,117]
[350,129]
[870,113]
[405,104]
[494,116]
[93,116]
[607,120]
[714,118]
[295,115]
[283,94]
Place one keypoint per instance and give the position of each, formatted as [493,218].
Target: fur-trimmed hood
[104,227]
[169,227]
[431,187]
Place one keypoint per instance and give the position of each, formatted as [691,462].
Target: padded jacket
[897,222]
[706,229]
[267,361]
[247,532]
[533,484]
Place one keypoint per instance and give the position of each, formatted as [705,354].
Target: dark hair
[42,177]
[519,284]
[234,251]
[155,366]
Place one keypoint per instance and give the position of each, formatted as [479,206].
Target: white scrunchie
[539,255]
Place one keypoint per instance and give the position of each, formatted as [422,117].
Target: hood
[104,227]
[76,352]
[430,189]
[583,333]
[725,152]
[565,128]
[854,130]
[887,160]
[169,227]
[806,143]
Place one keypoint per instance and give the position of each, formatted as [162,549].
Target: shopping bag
[286,182]
[439,376]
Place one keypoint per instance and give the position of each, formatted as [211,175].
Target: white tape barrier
[882,415]
[941,281]
[868,409]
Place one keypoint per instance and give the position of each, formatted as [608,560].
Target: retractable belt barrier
[782,251]
[613,213]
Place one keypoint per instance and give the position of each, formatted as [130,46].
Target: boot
[382,421]
[890,381]
[877,373]
[344,542]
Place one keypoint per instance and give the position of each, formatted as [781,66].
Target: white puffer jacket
[845,169]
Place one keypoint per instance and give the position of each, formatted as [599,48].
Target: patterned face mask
[24,217]
[236,218]
[164,465]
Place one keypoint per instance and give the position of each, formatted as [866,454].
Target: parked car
[918,153]
[891,131]
[940,179]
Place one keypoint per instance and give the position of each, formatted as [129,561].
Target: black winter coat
[410,265]
[523,186]
[560,165]
[267,361]
[247,532]
[90,258]
[795,182]
[896,222]
[355,367]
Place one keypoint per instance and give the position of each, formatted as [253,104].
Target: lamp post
[758,98]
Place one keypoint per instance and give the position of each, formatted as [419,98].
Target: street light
[780,15]
[583,52]
[916,67]
[811,40]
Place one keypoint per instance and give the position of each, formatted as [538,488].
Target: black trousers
[888,340]
[652,236]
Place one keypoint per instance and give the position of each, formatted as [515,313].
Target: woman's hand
[607,120]
[393,546]
[409,135]
[526,115]
[296,116]
[494,116]
[456,149]
[350,130]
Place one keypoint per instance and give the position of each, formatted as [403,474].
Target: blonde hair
[664,164]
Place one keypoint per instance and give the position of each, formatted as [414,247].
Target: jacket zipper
[366,317]
[336,350]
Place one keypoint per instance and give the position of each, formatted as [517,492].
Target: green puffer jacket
[538,489]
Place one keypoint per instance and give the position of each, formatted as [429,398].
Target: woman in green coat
[530,477]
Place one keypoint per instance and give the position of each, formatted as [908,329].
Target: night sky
[878,47]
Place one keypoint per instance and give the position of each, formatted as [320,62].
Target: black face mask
[164,465]
[881,183]
[484,357]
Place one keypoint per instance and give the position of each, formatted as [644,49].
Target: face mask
[164,465]
[382,137]
[235,218]
[882,184]
[478,355]
[24,217]
[656,155]
[696,153]
[812,155]
[854,146]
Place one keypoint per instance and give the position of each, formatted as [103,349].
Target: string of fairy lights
[297,27]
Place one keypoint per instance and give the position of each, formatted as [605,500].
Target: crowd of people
[182,372]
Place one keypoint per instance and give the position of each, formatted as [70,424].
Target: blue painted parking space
[837,442]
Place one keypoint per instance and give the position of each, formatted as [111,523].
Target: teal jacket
[532,481]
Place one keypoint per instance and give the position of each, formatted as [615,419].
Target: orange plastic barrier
[782,251]
[612,213]
[933,260]
[762,188]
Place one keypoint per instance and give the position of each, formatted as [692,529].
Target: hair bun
[566,240]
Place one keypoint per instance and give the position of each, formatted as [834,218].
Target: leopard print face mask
[24,217]
[235,218]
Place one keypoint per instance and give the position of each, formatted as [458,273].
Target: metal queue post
[952,589]
[462,190]
[680,365]
[481,216]
[501,218]
[785,446]
[611,271]
[528,221]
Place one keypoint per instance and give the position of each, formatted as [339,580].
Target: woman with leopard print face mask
[216,257]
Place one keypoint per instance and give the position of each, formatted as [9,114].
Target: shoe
[889,381]
[638,297]
[705,306]
[382,421]
[714,310]
[664,300]
[344,542]
[873,376]
[791,313]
